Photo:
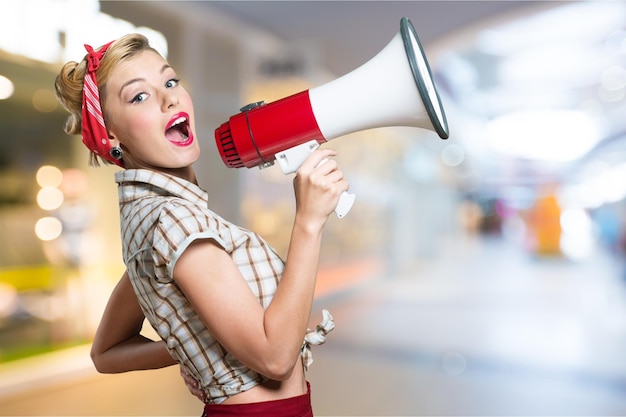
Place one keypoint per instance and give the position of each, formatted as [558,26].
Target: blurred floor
[482,329]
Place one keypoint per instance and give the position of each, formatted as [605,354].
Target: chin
[189,160]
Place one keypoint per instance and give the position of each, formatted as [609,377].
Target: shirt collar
[138,183]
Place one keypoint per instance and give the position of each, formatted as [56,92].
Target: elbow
[278,374]
[99,362]
[95,358]
[280,370]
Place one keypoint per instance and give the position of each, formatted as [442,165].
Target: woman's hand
[192,384]
[318,184]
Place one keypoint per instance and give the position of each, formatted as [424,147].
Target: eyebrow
[134,80]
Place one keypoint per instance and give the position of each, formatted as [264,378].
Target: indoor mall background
[479,275]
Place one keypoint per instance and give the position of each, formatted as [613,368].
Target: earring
[116,153]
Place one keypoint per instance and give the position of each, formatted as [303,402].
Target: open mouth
[178,131]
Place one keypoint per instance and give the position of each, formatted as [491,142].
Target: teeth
[178,121]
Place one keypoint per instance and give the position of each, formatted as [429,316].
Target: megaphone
[395,88]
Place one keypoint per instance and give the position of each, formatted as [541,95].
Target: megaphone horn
[395,88]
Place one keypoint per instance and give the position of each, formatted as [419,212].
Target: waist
[297,406]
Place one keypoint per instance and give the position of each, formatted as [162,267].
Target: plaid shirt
[160,216]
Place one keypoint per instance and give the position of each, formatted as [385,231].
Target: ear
[113,140]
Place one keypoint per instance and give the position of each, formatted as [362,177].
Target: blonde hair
[68,84]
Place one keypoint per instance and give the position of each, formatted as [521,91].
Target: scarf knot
[316,337]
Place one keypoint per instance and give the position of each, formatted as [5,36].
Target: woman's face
[151,115]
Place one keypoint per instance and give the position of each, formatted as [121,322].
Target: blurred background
[479,275]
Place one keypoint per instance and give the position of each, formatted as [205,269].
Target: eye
[139,98]
[172,83]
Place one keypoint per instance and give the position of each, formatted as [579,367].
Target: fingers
[192,384]
[321,163]
[332,175]
[322,171]
[319,183]
[317,159]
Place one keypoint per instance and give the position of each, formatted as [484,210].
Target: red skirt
[299,406]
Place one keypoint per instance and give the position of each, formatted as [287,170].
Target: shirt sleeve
[180,223]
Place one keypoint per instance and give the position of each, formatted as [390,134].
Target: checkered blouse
[160,216]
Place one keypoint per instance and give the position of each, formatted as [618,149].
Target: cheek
[142,123]
[188,103]
[135,129]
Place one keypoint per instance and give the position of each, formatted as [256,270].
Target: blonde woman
[226,307]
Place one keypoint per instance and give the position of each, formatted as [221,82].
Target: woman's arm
[118,345]
[266,340]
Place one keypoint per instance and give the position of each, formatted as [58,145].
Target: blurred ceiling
[349,33]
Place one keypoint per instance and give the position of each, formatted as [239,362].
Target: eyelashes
[142,96]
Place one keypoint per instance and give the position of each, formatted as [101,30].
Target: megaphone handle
[346,200]
[291,159]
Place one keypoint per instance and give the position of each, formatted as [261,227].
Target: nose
[170,100]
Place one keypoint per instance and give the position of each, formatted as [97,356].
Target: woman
[226,307]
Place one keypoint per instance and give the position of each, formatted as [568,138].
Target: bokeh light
[49,198]
[48,228]
[6,88]
[49,176]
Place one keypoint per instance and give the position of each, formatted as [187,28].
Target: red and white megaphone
[395,88]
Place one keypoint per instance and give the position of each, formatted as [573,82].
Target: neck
[186,173]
